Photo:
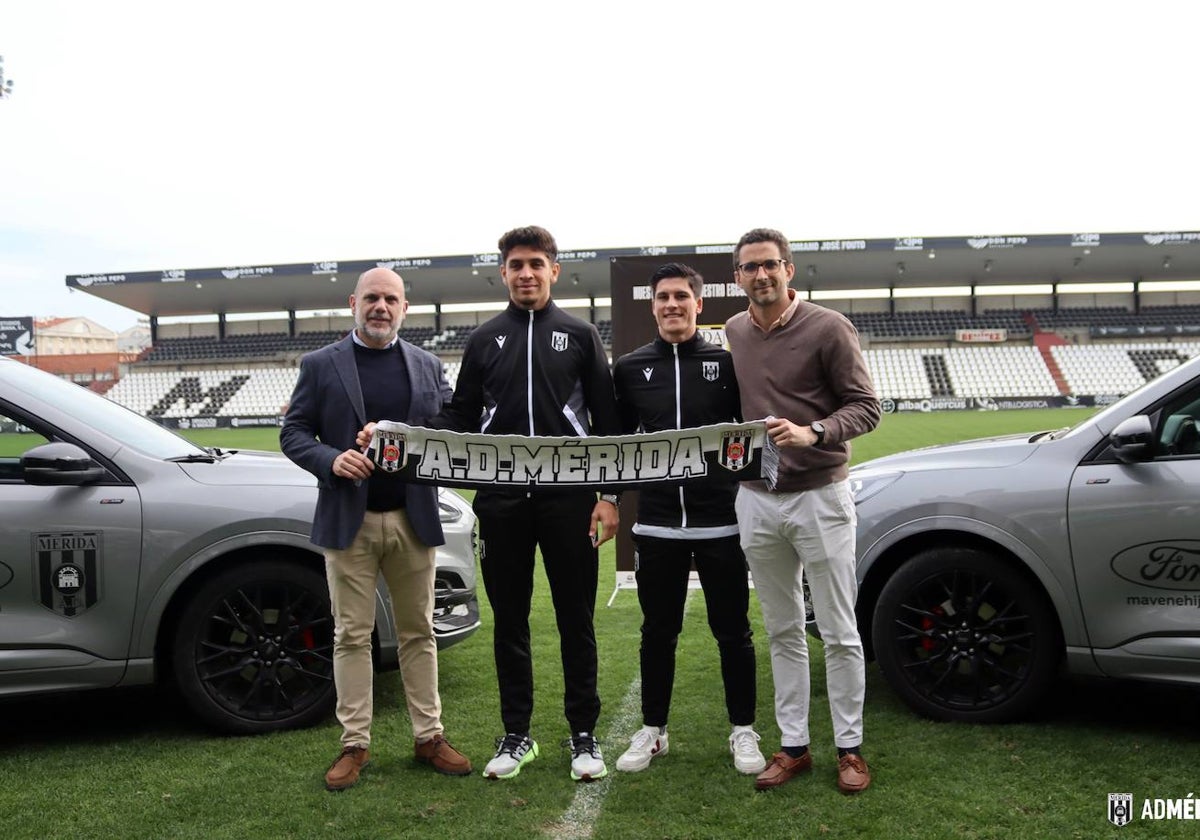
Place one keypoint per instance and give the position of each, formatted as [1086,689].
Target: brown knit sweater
[810,368]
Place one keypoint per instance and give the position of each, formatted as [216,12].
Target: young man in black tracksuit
[534,369]
[680,381]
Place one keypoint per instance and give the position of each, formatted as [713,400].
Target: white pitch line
[579,819]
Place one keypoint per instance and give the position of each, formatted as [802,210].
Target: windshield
[105,416]
[1101,419]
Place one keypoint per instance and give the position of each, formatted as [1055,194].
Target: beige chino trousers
[384,544]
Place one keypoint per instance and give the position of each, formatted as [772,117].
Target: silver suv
[986,565]
[128,553]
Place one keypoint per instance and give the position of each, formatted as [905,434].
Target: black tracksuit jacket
[571,390]
[679,386]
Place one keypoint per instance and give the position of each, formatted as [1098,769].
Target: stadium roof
[820,264]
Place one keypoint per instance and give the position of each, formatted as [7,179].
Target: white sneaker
[587,762]
[512,753]
[646,743]
[747,758]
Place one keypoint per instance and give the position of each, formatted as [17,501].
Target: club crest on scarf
[389,453]
[735,449]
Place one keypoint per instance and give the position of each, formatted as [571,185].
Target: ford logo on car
[1170,564]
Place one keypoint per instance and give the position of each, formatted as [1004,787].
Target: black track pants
[662,577]
[511,526]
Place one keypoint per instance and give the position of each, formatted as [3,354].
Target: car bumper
[453,622]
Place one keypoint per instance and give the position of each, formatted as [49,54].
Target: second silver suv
[987,565]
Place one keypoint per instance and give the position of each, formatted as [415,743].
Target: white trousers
[785,535]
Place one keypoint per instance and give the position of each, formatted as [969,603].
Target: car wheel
[961,636]
[254,649]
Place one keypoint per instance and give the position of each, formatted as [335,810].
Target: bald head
[378,275]
[378,305]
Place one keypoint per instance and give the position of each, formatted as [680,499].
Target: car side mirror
[1133,439]
[60,464]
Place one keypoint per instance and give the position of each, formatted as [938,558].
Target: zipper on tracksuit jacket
[529,373]
[679,425]
[529,382]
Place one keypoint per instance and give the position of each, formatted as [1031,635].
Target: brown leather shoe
[782,768]
[345,768]
[444,758]
[853,775]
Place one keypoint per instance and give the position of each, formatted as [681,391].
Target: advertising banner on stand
[16,336]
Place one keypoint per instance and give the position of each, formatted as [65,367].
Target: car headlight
[864,487]
[448,513]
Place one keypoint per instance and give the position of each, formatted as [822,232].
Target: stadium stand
[1116,316]
[225,392]
[1181,315]
[879,326]
[943,324]
[932,324]
[911,355]
[218,392]
[451,341]
[977,371]
[1081,317]
[1005,371]
[1117,368]
[195,348]
[899,373]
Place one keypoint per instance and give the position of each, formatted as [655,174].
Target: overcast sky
[151,135]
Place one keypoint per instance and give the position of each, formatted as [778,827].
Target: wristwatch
[612,498]
[819,430]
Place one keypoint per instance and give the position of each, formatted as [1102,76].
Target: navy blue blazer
[325,414]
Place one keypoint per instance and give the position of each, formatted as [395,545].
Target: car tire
[961,636]
[253,652]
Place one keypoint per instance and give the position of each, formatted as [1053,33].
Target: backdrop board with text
[633,326]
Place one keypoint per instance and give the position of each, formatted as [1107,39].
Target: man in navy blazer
[370,523]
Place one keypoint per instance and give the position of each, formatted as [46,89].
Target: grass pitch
[132,764]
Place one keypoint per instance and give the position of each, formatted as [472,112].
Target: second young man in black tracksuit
[681,381]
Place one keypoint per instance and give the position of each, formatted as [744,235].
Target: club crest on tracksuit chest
[558,340]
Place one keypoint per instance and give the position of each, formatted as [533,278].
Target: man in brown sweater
[800,365]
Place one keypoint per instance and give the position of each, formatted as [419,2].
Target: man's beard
[765,295]
[377,333]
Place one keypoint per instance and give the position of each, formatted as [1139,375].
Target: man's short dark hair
[695,281]
[764,235]
[534,237]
